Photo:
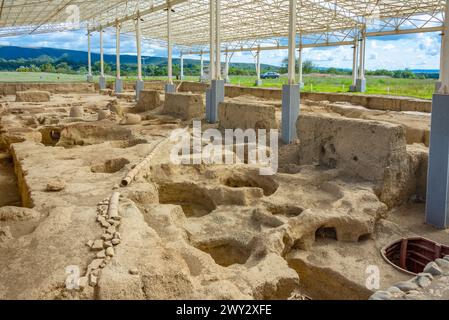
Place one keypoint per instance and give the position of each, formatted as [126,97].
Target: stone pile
[104,248]
[431,284]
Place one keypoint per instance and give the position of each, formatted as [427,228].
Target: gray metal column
[437,205]
[215,95]
[290,92]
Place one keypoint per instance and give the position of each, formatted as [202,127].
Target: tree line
[66,66]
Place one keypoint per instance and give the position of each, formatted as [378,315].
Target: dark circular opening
[411,255]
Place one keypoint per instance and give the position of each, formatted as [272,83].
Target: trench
[9,188]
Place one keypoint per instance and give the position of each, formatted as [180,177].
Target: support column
[437,205]
[258,80]
[361,81]
[170,86]
[353,87]
[438,84]
[201,67]
[89,59]
[102,81]
[182,66]
[227,58]
[139,84]
[118,80]
[218,39]
[215,95]
[300,66]
[290,92]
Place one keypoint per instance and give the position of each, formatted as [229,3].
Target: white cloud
[393,52]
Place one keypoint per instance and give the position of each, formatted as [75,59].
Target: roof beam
[310,45]
[52,16]
[142,13]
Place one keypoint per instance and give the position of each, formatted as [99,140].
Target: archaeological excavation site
[117,189]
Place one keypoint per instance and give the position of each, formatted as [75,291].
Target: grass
[312,83]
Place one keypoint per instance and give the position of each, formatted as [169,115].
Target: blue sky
[416,51]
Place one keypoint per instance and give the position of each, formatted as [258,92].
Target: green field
[312,83]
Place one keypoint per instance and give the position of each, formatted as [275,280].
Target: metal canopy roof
[245,23]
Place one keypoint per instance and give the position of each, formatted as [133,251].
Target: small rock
[108,244]
[110,252]
[107,237]
[111,230]
[446,258]
[98,245]
[114,107]
[55,185]
[116,242]
[424,282]
[117,235]
[395,290]
[104,114]
[428,275]
[76,112]
[433,269]
[82,282]
[103,265]
[93,280]
[105,224]
[406,286]
[89,243]
[133,271]
[100,219]
[131,119]
[115,187]
[101,254]
[5,234]
[94,265]
[381,295]
[442,263]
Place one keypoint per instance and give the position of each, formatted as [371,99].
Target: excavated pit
[110,166]
[248,180]
[192,198]
[209,231]
[226,254]
[9,189]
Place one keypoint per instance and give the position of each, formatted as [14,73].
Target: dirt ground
[197,231]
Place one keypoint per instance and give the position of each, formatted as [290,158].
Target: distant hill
[80,57]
